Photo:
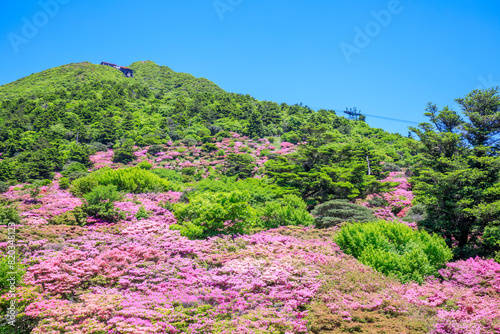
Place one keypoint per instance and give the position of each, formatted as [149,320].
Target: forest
[164,204]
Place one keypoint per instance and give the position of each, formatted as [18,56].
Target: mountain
[73,75]
[159,78]
[62,114]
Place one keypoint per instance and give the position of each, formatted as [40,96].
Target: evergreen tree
[459,176]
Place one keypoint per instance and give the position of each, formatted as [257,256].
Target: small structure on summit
[128,72]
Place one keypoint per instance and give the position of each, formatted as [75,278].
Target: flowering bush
[138,274]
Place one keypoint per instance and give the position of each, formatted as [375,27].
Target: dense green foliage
[99,204]
[260,190]
[289,210]
[141,213]
[331,166]
[64,114]
[271,206]
[458,177]
[8,276]
[213,214]
[240,165]
[133,180]
[8,214]
[394,249]
[334,212]
[3,187]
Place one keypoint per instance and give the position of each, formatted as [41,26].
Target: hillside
[159,78]
[86,103]
[72,75]
[163,204]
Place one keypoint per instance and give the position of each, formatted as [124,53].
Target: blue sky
[387,58]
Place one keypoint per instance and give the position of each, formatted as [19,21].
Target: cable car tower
[353,113]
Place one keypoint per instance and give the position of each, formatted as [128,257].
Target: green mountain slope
[155,77]
[62,77]
[159,78]
[59,115]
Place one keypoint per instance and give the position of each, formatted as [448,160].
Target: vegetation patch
[395,249]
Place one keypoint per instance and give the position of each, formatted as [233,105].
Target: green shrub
[168,174]
[145,165]
[154,149]
[289,210]
[99,203]
[167,205]
[260,191]
[378,201]
[76,175]
[72,168]
[7,268]
[123,155]
[131,180]
[3,187]
[208,215]
[240,165]
[491,239]
[265,153]
[415,214]
[134,180]
[394,249]
[65,218]
[141,213]
[188,171]
[151,139]
[291,137]
[83,185]
[224,134]
[209,147]
[64,183]
[190,141]
[390,167]
[9,214]
[207,139]
[99,147]
[334,212]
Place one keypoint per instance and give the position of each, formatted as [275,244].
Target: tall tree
[458,178]
[482,109]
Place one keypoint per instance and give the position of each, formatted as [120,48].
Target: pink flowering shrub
[481,276]
[51,202]
[124,281]
[137,275]
[178,157]
[102,159]
[392,204]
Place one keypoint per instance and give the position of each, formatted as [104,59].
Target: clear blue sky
[292,51]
